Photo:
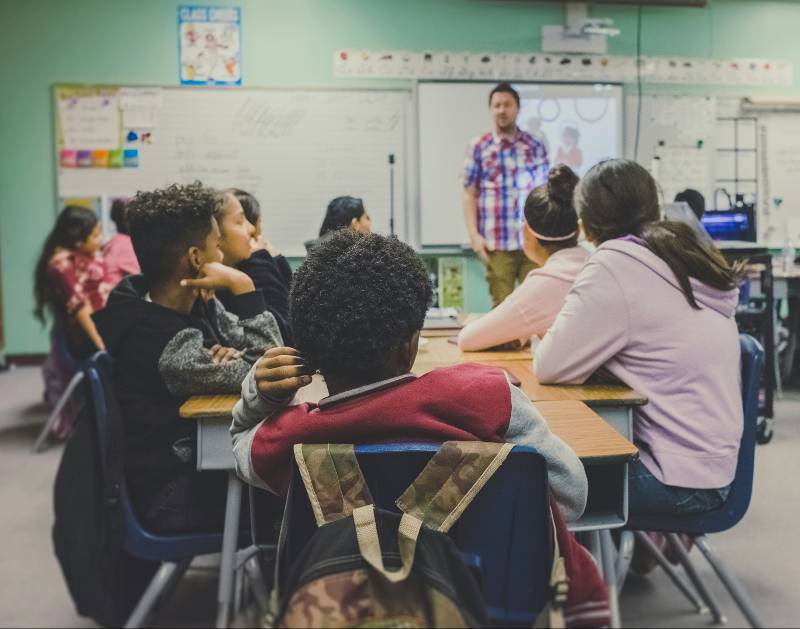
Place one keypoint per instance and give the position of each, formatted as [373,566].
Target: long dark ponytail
[73,225]
[619,197]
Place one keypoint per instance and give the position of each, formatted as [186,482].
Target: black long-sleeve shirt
[273,276]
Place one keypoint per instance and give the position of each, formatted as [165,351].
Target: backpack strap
[370,546]
[333,480]
[451,480]
[552,616]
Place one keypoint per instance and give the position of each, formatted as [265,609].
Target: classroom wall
[285,43]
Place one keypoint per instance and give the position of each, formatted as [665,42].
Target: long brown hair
[619,197]
[73,225]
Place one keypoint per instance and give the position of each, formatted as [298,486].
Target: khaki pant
[504,271]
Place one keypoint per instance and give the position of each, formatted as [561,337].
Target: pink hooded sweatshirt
[531,308]
[120,259]
[626,312]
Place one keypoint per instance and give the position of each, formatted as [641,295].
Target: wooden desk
[592,439]
[592,394]
[209,406]
[579,426]
[440,351]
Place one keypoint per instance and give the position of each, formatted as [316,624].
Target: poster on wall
[210,45]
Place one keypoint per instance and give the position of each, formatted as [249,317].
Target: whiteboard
[293,149]
[451,114]
[676,141]
[779,173]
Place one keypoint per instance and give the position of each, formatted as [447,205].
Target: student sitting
[118,252]
[160,359]
[656,308]
[551,241]
[342,212]
[357,305]
[244,248]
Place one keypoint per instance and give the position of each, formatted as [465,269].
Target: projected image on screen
[577,131]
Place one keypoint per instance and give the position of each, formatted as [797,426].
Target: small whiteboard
[293,149]
[779,177]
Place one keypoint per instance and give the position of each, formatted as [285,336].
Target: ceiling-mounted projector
[580,34]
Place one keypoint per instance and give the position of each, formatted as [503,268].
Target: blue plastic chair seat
[738,501]
[138,541]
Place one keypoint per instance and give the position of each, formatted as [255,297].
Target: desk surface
[586,432]
[592,394]
[578,425]
[442,352]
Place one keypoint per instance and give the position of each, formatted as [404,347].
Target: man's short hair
[164,223]
[504,87]
[694,200]
[356,298]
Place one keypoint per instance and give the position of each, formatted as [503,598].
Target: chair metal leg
[731,583]
[608,563]
[257,583]
[677,546]
[624,557]
[163,580]
[645,541]
[41,440]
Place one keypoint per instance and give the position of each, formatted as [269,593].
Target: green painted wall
[286,43]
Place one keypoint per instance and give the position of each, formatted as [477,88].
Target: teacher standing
[502,167]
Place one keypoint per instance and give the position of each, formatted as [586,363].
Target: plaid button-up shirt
[504,172]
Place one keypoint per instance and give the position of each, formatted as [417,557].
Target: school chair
[70,363]
[174,552]
[504,535]
[698,527]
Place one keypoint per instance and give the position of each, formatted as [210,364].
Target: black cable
[638,82]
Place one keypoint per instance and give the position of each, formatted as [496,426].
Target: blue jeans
[649,496]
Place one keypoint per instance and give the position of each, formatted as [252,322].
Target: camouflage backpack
[366,566]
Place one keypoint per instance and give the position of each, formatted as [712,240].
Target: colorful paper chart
[100,159]
[69,158]
[131,158]
[209,45]
[115,159]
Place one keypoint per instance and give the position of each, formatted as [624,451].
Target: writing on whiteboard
[264,120]
[90,122]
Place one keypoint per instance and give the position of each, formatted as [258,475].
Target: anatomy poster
[209,45]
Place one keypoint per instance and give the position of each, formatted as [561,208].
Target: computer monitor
[735,224]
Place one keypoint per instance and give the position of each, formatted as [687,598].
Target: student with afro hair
[357,307]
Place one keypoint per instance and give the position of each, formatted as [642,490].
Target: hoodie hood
[127,310]
[635,250]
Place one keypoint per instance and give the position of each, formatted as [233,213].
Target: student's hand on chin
[217,276]
[257,244]
[281,372]
[262,244]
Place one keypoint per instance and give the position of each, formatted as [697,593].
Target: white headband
[553,238]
